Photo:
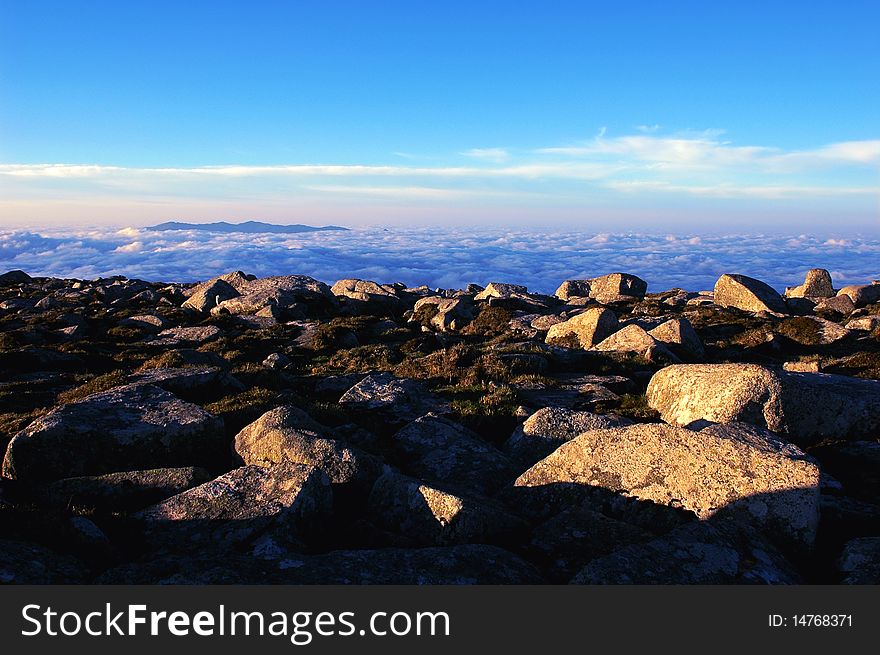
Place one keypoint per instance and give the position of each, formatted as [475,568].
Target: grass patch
[95,385]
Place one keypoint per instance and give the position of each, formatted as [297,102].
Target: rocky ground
[278,430]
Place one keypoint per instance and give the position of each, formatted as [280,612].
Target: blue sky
[675,115]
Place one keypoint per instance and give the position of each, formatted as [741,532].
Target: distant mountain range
[251,227]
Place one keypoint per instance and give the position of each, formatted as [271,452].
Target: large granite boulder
[550,427]
[861,294]
[239,506]
[589,327]
[773,483]
[817,284]
[289,434]
[283,293]
[365,295]
[208,295]
[511,296]
[617,287]
[578,534]
[699,553]
[131,427]
[429,515]
[573,289]
[748,294]
[446,314]
[440,451]
[808,407]
[679,335]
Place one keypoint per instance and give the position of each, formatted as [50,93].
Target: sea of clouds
[439,257]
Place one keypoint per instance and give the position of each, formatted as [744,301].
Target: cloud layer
[438,257]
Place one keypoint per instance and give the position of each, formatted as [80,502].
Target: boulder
[550,427]
[859,563]
[432,516]
[289,434]
[808,407]
[130,427]
[367,293]
[284,292]
[448,565]
[190,382]
[149,322]
[817,284]
[747,294]
[448,314]
[861,294]
[864,323]
[25,563]
[679,335]
[590,327]
[179,335]
[437,450]
[699,553]
[631,338]
[579,534]
[836,305]
[811,331]
[511,296]
[617,287]
[208,295]
[736,468]
[400,399]
[240,505]
[856,464]
[125,491]
[573,289]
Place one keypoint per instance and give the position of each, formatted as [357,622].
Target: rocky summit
[290,430]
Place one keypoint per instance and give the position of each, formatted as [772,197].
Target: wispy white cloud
[496,155]
[604,172]
[767,192]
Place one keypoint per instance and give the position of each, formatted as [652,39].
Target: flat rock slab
[402,399]
[808,407]
[239,505]
[132,427]
[177,335]
[126,491]
[190,380]
[772,483]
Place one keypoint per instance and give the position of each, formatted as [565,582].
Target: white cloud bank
[441,257]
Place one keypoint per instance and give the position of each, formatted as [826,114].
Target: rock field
[283,431]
